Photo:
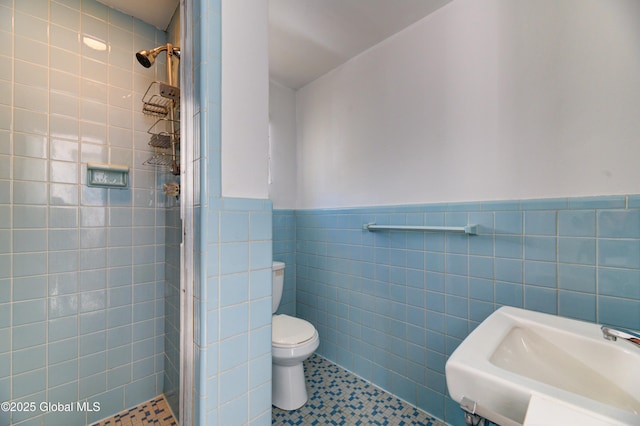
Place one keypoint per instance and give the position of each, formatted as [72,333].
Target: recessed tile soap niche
[107,176]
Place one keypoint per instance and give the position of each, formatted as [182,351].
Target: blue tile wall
[81,269]
[392,306]
[173,238]
[172,258]
[233,342]
[232,318]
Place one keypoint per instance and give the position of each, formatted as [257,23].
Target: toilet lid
[290,331]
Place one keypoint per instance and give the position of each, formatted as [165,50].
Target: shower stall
[89,275]
[161,101]
[113,294]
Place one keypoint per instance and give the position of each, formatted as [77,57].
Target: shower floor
[338,397]
[155,412]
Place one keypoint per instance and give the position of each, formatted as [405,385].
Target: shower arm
[171,51]
[175,168]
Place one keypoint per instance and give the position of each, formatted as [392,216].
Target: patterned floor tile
[338,397]
[155,412]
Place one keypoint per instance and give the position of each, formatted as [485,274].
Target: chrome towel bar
[467,229]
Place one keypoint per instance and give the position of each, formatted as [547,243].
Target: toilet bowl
[292,341]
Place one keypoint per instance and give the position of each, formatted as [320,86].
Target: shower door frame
[187,197]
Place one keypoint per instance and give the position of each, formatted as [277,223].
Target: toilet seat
[287,331]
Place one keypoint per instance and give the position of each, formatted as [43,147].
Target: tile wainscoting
[391,306]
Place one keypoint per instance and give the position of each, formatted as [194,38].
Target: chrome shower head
[148,57]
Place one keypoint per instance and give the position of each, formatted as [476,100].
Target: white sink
[515,354]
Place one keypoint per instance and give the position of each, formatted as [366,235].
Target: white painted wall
[282,122]
[245,98]
[490,100]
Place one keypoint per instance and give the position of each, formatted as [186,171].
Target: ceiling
[308,38]
[155,12]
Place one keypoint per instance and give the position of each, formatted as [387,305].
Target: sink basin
[515,354]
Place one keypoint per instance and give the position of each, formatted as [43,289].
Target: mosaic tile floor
[337,397]
[155,412]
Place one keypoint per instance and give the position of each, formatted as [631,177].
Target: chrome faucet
[614,334]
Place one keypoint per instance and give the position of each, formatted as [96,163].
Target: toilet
[292,341]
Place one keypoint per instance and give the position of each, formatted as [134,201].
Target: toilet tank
[277,285]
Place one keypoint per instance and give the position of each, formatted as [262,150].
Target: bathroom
[520,117]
